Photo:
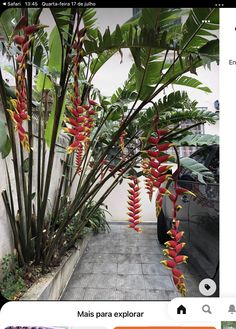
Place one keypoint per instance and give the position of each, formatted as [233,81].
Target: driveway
[124,265]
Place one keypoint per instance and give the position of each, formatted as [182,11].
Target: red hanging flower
[175,246]
[79,157]
[134,207]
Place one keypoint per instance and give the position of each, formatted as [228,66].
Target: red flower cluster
[157,175]
[156,171]
[174,246]
[81,117]
[80,123]
[133,204]
[148,179]
[79,158]
[19,114]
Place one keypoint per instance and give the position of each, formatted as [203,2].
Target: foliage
[198,170]
[12,282]
[98,222]
[105,138]
[197,140]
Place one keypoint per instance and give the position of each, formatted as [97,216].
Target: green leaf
[198,140]
[3,135]
[10,91]
[147,77]
[194,25]
[55,51]
[89,17]
[191,82]
[210,50]
[100,60]
[43,82]
[38,55]
[5,143]
[7,148]
[8,20]
[197,169]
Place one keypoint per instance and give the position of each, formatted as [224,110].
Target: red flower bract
[134,205]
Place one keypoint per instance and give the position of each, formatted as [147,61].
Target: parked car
[199,215]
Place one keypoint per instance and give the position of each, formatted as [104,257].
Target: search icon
[206,308]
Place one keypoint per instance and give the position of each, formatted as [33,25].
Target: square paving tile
[81,280]
[99,257]
[102,281]
[124,249]
[153,269]
[151,249]
[105,267]
[130,281]
[148,243]
[127,268]
[159,282]
[83,267]
[99,294]
[129,258]
[151,258]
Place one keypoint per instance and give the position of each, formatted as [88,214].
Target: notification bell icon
[232,309]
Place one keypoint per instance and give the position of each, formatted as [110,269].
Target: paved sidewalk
[122,265]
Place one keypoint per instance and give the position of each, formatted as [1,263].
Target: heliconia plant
[55,76]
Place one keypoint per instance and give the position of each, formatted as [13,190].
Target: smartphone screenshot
[114,151]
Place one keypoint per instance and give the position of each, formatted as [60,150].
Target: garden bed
[52,285]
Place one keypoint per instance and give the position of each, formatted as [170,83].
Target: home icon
[181,310]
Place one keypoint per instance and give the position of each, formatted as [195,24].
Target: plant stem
[13,144]
[30,134]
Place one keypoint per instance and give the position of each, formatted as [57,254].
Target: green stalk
[45,118]
[12,222]
[13,144]
[17,235]
[30,134]
[25,194]
[40,171]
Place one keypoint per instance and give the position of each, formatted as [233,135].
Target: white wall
[117,202]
